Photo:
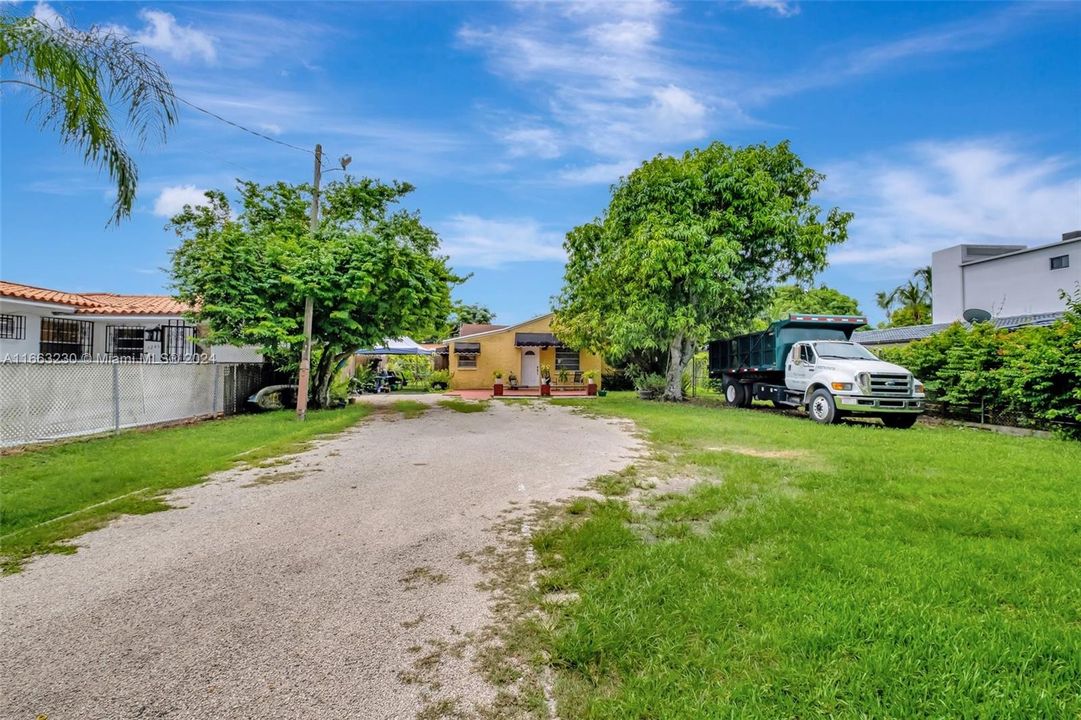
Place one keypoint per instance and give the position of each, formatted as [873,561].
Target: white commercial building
[1004,280]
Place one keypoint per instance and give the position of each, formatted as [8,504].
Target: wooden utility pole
[306,353]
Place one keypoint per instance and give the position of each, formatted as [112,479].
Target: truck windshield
[845,351]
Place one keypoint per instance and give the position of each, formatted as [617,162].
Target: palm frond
[79,77]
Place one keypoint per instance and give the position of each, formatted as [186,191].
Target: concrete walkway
[304,590]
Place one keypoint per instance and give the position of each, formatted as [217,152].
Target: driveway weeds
[372,579]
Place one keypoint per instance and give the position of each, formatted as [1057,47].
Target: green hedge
[1032,371]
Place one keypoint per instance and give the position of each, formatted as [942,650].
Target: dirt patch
[769,454]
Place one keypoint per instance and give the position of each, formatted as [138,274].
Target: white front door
[530,368]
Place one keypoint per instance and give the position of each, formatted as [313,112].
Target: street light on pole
[306,354]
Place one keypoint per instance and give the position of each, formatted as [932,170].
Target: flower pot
[546,390]
[497,389]
[645,394]
[591,388]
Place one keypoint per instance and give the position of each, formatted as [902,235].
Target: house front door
[530,368]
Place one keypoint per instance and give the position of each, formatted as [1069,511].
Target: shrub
[651,383]
[439,380]
[1034,371]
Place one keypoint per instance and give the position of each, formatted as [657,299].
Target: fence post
[217,385]
[116,397]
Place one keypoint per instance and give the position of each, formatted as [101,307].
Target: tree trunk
[680,353]
[327,374]
[320,379]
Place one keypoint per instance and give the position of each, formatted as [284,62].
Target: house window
[13,327]
[466,362]
[1060,262]
[64,339]
[177,341]
[567,359]
[125,342]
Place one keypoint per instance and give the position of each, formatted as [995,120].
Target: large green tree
[373,273]
[799,299]
[690,248]
[79,79]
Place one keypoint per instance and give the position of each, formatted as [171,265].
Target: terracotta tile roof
[97,303]
[36,294]
[113,304]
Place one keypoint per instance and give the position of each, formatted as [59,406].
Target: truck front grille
[891,384]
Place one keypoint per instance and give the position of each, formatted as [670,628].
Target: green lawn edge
[51,494]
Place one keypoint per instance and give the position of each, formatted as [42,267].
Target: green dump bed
[765,352]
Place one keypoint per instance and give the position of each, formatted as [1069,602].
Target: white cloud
[609,84]
[473,241]
[539,142]
[162,32]
[598,173]
[784,8]
[932,195]
[172,199]
[45,13]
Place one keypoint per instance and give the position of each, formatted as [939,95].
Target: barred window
[13,327]
[467,361]
[125,342]
[65,339]
[567,359]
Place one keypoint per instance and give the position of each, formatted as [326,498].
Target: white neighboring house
[1004,280]
[43,324]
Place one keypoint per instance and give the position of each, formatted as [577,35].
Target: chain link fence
[49,401]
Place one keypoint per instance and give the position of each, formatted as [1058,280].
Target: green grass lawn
[821,571]
[55,493]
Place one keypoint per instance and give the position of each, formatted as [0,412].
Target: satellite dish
[975,315]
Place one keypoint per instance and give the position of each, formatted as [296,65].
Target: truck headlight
[864,381]
[918,388]
[841,386]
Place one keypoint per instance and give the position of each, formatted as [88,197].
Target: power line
[238,126]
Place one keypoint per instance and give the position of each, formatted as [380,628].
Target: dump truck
[809,361]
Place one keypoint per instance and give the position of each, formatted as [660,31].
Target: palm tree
[910,303]
[78,77]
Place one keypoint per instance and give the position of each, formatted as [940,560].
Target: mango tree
[690,248]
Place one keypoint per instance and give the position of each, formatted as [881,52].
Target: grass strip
[464,406]
[53,493]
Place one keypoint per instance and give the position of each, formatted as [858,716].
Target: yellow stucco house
[520,350]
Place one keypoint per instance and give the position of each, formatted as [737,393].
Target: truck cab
[837,377]
[810,361]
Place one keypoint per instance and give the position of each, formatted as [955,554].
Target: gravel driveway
[299,591]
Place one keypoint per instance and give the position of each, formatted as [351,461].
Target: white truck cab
[838,377]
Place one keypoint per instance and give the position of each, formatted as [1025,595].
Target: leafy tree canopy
[373,274]
[470,314]
[78,78]
[798,299]
[690,248]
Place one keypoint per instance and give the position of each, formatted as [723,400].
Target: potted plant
[590,376]
[513,380]
[497,382]
[563,376]
[546,380]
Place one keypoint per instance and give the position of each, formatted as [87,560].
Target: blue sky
[935,123]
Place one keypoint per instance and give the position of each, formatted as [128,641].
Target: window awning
[467,348]
[535,340]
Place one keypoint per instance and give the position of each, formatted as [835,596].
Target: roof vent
[1072,235]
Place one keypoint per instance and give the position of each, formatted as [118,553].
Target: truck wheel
[901,422]
[733,394]
[821,407]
